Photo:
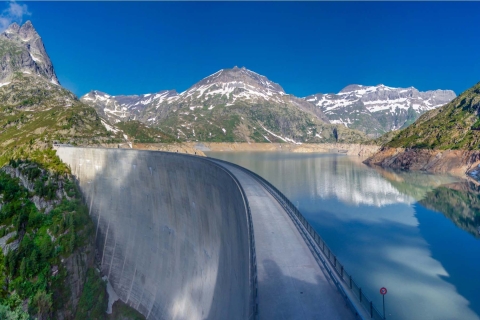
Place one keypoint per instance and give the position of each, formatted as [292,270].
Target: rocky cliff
[22,50]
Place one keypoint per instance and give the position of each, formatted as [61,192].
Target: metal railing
[348,288]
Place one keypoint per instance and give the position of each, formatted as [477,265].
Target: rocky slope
[22,50]
[234,105]
[456,162]
[376,110]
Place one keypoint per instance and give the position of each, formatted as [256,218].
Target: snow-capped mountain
[230,105]
[225,87]
[23,51]
[123,108]
[378,109]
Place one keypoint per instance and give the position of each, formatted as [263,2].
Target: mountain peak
[351,87]
[30,56]
[13,28]
[241,77]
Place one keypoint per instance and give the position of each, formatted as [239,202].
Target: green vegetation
[383,139]
[121,311]
[31,269]
[93,301]
[453,126]
[34,113]
[242,122]
[140,133]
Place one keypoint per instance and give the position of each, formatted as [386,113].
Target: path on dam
[291,283]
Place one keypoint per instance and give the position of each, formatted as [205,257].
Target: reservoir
[416,234]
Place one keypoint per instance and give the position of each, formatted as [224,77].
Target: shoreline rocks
[456,162]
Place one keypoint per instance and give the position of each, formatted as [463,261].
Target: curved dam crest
[171,231]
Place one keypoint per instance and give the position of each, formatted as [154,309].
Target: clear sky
[306,47]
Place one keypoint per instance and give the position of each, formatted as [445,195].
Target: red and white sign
[383,291]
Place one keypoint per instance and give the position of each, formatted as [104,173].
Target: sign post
[383,292]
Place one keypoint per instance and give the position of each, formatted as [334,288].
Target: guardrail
[348,288]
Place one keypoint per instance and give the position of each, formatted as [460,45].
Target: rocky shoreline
[456,162]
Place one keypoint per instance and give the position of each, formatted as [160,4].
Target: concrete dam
[173,235]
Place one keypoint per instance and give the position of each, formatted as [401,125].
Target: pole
[383,306]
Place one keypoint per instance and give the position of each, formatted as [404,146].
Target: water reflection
[460,202]
[385,228]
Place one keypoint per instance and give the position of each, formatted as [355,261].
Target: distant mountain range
[230,105]
[240,105]
[376,110]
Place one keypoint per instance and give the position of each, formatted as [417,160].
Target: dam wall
[171,231]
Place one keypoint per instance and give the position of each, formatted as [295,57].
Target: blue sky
[306,47]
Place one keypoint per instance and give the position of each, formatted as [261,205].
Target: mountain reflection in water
[386,229]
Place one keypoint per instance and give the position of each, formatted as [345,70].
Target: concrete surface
[171,231]
[291,284]
[172,237]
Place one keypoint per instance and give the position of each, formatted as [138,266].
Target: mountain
[376,110]
[235,105]
[34,109]
[454,126]
[22,50]
[446,139]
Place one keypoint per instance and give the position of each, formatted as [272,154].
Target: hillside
[35,110]
[453,126]
[231,105]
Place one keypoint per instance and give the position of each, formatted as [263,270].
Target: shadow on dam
[171,232]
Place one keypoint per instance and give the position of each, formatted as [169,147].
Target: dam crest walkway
[292,284]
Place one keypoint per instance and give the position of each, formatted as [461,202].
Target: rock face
[22,50]
[231,105]
[378,109]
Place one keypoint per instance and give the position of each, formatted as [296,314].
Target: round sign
[383,290]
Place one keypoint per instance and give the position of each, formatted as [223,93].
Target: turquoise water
[415,234]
